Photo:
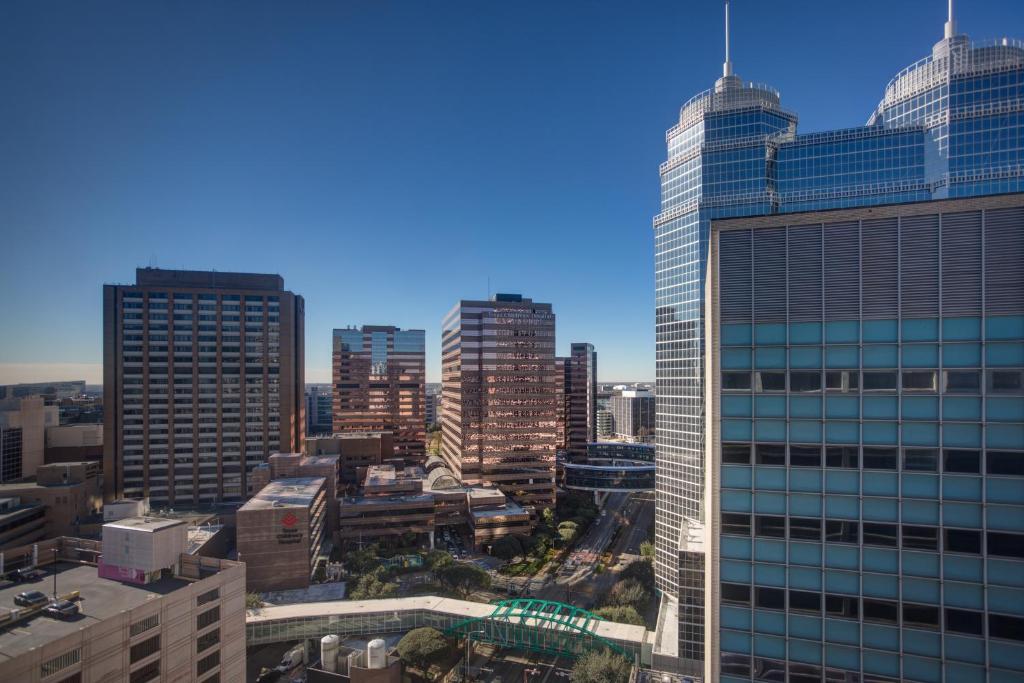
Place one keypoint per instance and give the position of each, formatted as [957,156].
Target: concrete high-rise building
[23,436]
[633,415]
[839,420]
[500,401]
[380,385]
[578,388]
[605,424]
[203,378]
[319,410]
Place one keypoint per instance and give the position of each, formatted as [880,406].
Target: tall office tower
[633,415]
[319,409]
[498,386]
[580,399]
[944,129]
[202,381]
[380,385]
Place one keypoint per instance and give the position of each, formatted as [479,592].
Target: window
[144,625]
[841,606]
[964,621]
[804,381]
[1005,462]
[735,664]
[145,648]
[805,528]
[208,617]
[920,537]
[736,453]
[962,461]
[842,531]
[842,380]
[207,640]
[880,458]
[149,672]
[921,459]
[804,601]
[770,598]
[879,380]
[886,535]
[771,526]
[736,593]
[770,454]
[963,541]
[60,662]
[805,456]
[1002,381]
[881,610]
[737,524]
[842,456]
[919,380]
[1002,626]
[769,381]
[735,381]
[962,382]
[208,662]
[1005,545]
[208,596]
[923,616]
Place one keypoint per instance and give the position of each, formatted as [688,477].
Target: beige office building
[500,394]
[203,378]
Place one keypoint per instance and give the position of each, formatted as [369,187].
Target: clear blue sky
[387,158]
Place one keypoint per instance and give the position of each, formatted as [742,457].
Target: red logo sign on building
[289,520]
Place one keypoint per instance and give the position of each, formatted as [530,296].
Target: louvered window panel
[961,264]
[805,273]
[770,275]
[880,280]
[842,271]
[919,266]
[734,276]
[1004,261]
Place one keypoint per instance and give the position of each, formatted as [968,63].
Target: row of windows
[870,609]
[1009,381]
[951,460]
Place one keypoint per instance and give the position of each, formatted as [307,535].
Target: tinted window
[771,381]
[921,459]
[968,462]
[1005,381]
[879,380]
[805,601]
[770,454]
[919,380]
[771,598]
[880,534]
[737,593]
[802,380]
[736,524]
[841,531]
[768,525]
[963,382]
[1002,626]
[841,606]
[1005,545]
[880,610]
[920,537]
[735,664]
[926,616]
[805,528]
[842,456]
[1005,462]
[736,453]
[736,381]
[963,541]
[805,456]
[841,380]
[876,458]
[964,621]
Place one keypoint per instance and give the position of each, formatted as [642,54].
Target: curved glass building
[950,126]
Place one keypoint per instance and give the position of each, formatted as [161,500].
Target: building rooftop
[383,475]
[508,509]
[207,279]
[144,523]
[385,500]
[100,599]
[295,492]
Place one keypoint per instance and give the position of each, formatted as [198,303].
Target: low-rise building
[69,494]
[20,522]
[74,443]
[355,450]
[183,623]
[280,533]
[297,465]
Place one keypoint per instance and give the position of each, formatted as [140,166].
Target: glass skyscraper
[950,126]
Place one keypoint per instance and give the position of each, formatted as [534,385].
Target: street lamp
[469,639]
[54,572]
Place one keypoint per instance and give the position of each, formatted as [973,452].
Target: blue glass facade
[949,126]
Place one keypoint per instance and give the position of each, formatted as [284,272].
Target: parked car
[30,599]
[61,609]
[27,574]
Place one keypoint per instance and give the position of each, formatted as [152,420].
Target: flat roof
[101,599]
[294,492]
[382,475]
[508,509]
[144,523]
[385,500]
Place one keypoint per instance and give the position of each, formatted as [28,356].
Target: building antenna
[727,65]
[950,24]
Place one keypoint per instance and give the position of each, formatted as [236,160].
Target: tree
[568,531]
[253,601]
[374,586]
[549,517]
[437,559]
[424,646]
[463,578]
[642,571]
[628,592]
[647,549]
[507,547]
[602,666]
[623,615]
[362,561]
